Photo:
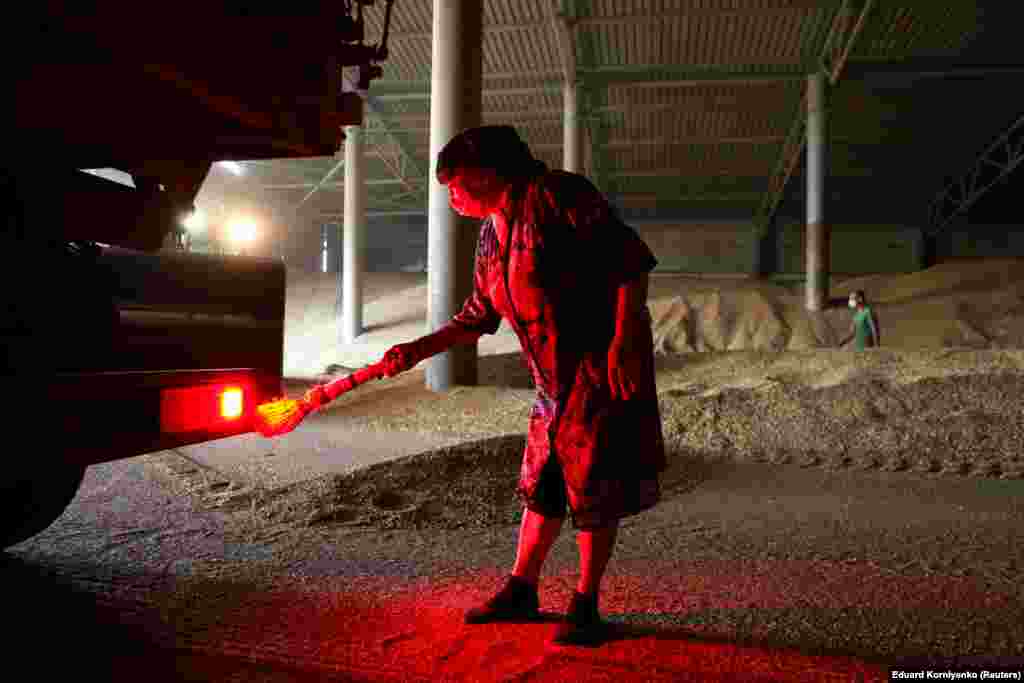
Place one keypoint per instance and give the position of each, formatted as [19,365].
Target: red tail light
[208,407]
[231,403]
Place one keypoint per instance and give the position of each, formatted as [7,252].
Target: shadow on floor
[58,630]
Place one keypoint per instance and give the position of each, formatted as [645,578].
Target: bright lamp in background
[242,231]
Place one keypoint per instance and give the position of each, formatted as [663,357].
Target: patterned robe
[557,285]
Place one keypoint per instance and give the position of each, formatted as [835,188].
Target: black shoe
[517,601]
[582,624]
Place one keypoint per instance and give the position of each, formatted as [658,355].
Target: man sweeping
[555,261]
[864,326]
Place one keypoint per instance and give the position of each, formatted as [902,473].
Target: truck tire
[33,500]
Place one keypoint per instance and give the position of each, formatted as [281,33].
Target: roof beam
[491,29]
[675,142]
[791,7]
[553,115]
[420,90]
[380,121]
[592,95]
[663,142]
[659,75]
[655,76]
[405,160]
[841,39]
[626,76]
[562,27]
[928,67]
[797,7]
[330,174]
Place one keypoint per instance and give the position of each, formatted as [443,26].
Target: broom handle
[340,386]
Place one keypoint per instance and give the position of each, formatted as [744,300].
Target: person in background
[864,328]
[556,262]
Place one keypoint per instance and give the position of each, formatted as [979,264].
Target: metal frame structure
[732,73]
[997,162]
[834,55]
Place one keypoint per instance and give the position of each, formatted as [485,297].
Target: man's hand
[625,368]
[400,358]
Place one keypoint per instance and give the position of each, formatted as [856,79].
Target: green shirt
[865,328]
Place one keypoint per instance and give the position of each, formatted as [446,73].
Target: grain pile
[973,303]
[976,304]
[460,487]
[867,415]
[898,537]
[933,413]
[744,375]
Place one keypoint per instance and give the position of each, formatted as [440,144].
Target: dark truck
[114,345]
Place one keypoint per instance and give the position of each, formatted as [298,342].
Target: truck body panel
[113,345]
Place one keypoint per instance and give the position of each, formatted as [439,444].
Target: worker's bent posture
[570,278]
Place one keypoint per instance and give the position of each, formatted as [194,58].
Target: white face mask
[853,303]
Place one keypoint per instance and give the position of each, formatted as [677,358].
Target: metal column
[572,130]
[817,266]
[352,241]
[455,104]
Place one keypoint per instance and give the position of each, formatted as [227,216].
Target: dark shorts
[620,499]
[551,500]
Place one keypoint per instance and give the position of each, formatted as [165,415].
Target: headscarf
[498,148]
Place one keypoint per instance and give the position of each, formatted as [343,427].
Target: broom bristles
[278,417]
[282,415]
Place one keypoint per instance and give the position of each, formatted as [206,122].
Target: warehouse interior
[694,118]
[826,512]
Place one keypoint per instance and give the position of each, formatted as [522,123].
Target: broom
[283,415]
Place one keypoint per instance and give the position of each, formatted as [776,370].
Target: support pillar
[455,104]
[927,249]
[817,266]
[353,235]
[572,130]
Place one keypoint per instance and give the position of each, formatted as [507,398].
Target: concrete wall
[731,247]
[396,243]
[725,247]
[301,249]
[718,245]
[392,244]
[855,248]
[982,241]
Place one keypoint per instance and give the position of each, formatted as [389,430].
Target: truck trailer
[114,344]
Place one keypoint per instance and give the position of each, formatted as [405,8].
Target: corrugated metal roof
[690,89]
[899,30]
[704,37]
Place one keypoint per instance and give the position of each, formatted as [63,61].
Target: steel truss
[843,35]
[995,163]
[390,149]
